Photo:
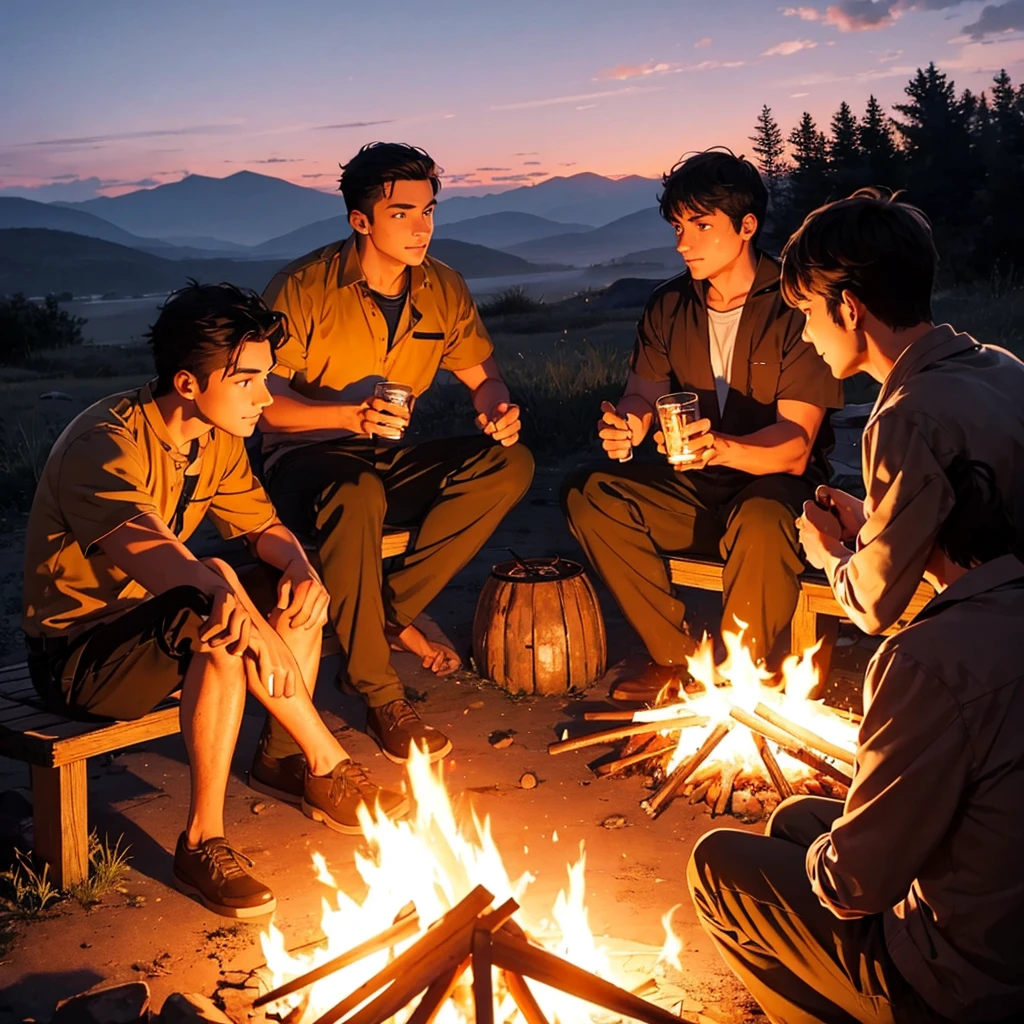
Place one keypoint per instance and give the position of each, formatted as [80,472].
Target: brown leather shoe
[214,874]
[335,799]
[396,727]
[283,778]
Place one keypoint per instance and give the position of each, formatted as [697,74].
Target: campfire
[738,745]
[440,916]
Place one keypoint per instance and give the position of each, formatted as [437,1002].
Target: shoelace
[226,860]
[351,774]
[399,712]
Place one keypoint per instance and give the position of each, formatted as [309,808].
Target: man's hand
[819,534]
[228,624]
[274,663]
[377,417]
[700,442]
[502,424]
[849,509]
[301,597]
[619,434]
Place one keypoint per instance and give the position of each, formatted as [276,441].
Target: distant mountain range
[505,229]
[38,261]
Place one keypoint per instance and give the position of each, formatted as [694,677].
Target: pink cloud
[789,47]
[622,72]
[803,13]
[701,43]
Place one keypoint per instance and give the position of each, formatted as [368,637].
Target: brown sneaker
[214,874]
[396,727]
[283,778]
[336,798]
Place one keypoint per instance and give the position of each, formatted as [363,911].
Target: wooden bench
[815,603]
[57,748]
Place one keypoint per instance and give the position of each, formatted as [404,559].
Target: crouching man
[904,904]
[118,614]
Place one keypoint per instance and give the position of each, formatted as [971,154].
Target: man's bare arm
[783,447]
[486,385]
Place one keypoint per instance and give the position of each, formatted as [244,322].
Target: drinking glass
[675,412]
[397,394]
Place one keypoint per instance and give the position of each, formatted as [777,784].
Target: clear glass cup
[397,394]
[675,413]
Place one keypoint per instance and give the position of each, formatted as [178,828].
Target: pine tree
[809,181]
[878,149]
[769,146]
[844,145]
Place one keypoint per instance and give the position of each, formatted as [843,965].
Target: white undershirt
[722,328]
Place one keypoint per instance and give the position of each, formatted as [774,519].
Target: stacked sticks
[650,741]
[470,935]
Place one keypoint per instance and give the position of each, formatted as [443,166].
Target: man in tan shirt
[904,903]
[118,614]
[376,307]
[861,270]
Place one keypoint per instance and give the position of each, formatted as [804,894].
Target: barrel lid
[537,570]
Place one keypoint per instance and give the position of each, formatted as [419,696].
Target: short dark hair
[202,327]
[715,179]
[978,528]
[371,174]
[872,245]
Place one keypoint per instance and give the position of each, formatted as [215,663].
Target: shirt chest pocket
[764,380]
[424,335]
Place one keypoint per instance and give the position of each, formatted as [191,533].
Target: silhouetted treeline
[958,157]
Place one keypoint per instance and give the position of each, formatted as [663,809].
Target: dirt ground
[150,932]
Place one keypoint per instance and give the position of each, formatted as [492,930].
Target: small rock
[476,704]
[258,807]
[746,805]
[500,739]
[60,396]
[614,821]
[528,780]
[191,1008]
[109,1004]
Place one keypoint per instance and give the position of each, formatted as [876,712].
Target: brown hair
[870,244]
[371,174]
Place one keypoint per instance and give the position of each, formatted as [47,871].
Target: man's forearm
[278,546]
[292,412]
[633,405]
[489,394]
[779,448]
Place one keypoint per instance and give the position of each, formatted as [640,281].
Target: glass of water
[397,394]
[675,412]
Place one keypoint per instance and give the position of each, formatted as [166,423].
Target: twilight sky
[108,96]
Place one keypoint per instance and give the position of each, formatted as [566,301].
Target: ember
[690,747]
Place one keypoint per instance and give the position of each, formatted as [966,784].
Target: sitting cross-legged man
[904,903]
[721,331]
[119,614]
[371,308]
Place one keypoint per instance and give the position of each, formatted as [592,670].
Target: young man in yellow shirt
[376,307]
[119,614]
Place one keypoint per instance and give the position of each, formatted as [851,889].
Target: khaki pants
[453,492]
[628,518]
[798,960]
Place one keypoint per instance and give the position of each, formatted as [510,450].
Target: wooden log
[728,781]
[625,731]
[701,791]
[610,768]
[806,737]
[523,997]
[438,991]
[819,764]
[404,928]
[457,924]
[664,793]
[483,992]
[775,773]
[519,957]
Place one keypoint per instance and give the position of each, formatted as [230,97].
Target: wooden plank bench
[815,603]
[57,748]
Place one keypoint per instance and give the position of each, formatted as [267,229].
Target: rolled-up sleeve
[908,498]
[240,505]
[913,760]
[650,352]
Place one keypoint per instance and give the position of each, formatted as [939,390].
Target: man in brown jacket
[861,270]
[905,903]
[376,307]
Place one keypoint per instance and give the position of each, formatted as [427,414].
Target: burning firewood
[683,721]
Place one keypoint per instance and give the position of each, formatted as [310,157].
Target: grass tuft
[25,891]
[108,866]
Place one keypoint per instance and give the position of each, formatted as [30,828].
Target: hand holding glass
[675,413]
[396,394]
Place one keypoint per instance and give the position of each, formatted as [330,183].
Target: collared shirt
[946,394]
[932,834]
[115,462]
[337,345]
[770,361]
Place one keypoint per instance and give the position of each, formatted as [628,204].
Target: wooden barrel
[538,627]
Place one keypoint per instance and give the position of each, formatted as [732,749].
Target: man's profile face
[402,223]
[236,395]
[709,242]
[840,345]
